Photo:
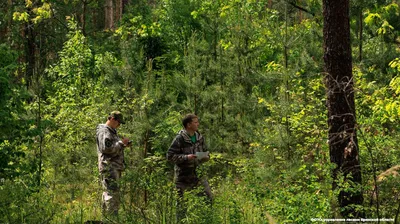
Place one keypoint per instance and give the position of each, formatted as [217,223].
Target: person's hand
[191,156]
[126,141]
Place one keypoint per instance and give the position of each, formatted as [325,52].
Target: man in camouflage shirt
[182,153]
[110,151]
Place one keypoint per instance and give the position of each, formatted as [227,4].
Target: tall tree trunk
[221,82]
[37,88]
[287,96]
[343,145]
[83,16]
[360,45]
[40,155]
[30,49]
[118,10]
[146,140]
[109,14]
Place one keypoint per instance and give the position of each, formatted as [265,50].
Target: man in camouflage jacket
[182,153]
[110,151]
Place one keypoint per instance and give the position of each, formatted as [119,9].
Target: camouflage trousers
[111,196]
[205,191]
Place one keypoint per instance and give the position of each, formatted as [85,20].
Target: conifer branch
[292,3]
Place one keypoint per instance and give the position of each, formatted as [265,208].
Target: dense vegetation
[253,70]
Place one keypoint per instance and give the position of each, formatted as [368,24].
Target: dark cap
[117,116]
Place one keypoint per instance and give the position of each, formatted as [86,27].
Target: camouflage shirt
[110,149]
[182,145]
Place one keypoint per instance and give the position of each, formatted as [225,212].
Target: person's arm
[108,144]
[175,154]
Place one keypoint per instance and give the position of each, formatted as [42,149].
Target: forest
[298,102]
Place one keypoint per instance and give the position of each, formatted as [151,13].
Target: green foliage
[75,81]
[252,71]
[381,31]
[17,207]
[33,12]
[7,67]
[379,137]
[16,132]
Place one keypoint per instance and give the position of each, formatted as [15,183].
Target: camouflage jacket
[110,149]
[185,170]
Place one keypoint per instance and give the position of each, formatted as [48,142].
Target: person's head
[115,119]
[190,122]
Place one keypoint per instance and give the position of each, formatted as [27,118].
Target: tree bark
[343,144]
[109,14]
[287,96]
[360,45]
[146,140]
[83,16]
[118,10]
[30,50]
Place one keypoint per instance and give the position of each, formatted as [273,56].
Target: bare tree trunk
[118,10]
[343,144]
[109,14]
[287,86]
[360,45]
[146,140]
[30,49]
[83,17]
[37,87]
[221,82]
[121,8]
[40,156]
